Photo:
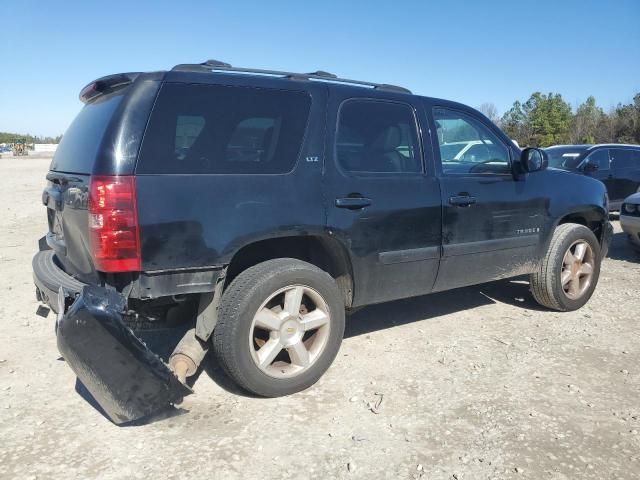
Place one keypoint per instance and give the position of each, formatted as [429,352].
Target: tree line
[7,137]
[541,121]
[546,119]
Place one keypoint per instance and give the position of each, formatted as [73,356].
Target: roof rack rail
[218,66]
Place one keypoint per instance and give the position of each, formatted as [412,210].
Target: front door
[491,222]
[382,198]
[598,165]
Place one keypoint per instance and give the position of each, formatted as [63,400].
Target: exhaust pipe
[187,356]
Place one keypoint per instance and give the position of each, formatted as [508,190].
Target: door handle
[462,200]
[353,203]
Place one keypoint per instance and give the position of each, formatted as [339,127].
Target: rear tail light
[113,224]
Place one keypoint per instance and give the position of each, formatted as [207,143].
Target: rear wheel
[569,272]
[280,326]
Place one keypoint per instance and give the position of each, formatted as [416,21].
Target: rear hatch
[102,142]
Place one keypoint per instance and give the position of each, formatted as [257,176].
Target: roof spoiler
[106,84]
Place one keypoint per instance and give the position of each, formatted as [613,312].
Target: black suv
[616,165]
[248,209]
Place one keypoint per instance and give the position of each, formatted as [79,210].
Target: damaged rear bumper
[48,277]
[127,380]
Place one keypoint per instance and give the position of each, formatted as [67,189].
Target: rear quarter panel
[201,220]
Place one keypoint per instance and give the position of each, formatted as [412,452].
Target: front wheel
[569,272]
[280,327]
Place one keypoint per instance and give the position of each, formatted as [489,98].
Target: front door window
[600,159]
[467,146]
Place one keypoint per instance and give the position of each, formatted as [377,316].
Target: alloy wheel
[289,331]
[577,269]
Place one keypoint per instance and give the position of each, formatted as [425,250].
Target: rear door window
[378,137]
[201,129]
[80,143]
[623,159]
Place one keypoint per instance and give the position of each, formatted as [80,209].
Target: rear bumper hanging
[125,378]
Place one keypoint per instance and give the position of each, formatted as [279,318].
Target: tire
[546,284]
[238,335]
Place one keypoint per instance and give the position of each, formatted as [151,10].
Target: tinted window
[80,143]
[188,127]
[468,146]
[565,157]
[224,129]
[376,136]
[599,158]
[625,158]
[450,150]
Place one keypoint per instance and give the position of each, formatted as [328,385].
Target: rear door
[383,200]
[625,170]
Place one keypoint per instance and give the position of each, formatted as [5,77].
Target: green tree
[8,137]
[541,121]
[605,130]
[549,118]
[585,123]
[627,122]
[514,123]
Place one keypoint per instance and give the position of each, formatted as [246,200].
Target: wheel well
[589,220]
[325,253]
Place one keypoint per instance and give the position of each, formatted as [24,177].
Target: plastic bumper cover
[631,226]
[125,378]
[49,277]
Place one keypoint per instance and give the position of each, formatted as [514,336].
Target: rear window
[80,143]
[201,129]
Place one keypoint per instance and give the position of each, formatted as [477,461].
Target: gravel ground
[474,383]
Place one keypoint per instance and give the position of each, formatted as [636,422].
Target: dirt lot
[475,383]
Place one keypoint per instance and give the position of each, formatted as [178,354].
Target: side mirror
[534,160]
[590,167]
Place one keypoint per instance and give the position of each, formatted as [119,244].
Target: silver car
[630,218]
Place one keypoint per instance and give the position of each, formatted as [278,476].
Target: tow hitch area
[125,378]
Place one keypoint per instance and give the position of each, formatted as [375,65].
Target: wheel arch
[592,218]
[323,251]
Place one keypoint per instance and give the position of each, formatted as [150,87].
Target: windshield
[567,158]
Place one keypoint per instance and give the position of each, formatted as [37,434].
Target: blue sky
[473,52]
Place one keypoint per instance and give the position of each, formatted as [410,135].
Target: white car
[460,151]
[630,218]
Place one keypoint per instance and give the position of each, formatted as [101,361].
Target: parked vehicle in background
[256,206]
[471,151]
[615,165]
[630,218]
